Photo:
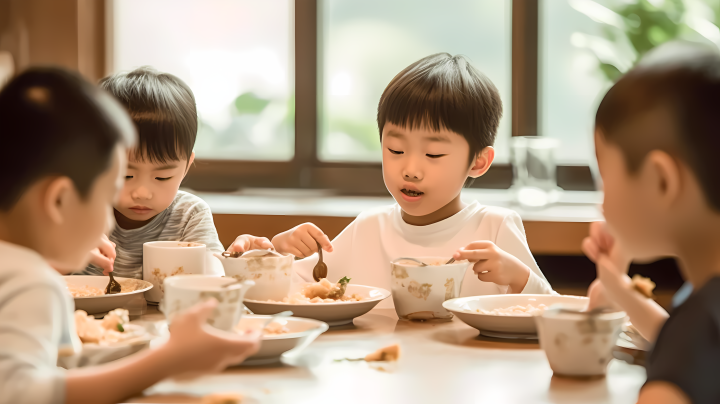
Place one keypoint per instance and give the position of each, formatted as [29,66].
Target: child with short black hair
[437,120]
[69,144]
[657,140]
[150,206]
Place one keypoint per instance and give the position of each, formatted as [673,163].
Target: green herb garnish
[344,281]
[120,328]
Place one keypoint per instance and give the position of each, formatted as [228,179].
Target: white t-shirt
[36,325]
[364,249]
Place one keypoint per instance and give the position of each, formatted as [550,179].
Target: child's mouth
[412,193]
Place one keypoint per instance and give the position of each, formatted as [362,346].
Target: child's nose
[412,171]
[142,193]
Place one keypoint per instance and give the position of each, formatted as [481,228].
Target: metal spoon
[286,313]
[422,264]
[320,269]
[113,286]
[450,261]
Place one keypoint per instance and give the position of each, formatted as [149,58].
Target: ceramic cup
[163,259]
[185,291]
[419,292]
[272,274]
[578,344]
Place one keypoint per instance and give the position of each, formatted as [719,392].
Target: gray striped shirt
[188,218]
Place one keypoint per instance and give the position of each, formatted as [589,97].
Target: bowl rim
[385,295]
[148,286]
[157,244]
[319,326]
[447,305]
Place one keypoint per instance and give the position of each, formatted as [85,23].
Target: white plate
[94,354]
[303,331]
[332,313]
[104,303]
[514,326]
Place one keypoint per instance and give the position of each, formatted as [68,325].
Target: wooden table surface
[441,362]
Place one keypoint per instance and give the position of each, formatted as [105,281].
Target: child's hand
[196,346]
[104,255]
[601,242]
[492,264]
[301,241]
[247,242]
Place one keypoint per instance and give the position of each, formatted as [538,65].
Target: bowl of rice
[508,315]
[89,292]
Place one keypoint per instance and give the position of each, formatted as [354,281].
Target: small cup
[272,274]
[578,344]
[419,291]
[163,259]
[185,291]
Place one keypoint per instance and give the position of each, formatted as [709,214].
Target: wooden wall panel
[550,238]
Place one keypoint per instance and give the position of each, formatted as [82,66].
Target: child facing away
[656,141]
[437,120]
[68,162]
[150,206]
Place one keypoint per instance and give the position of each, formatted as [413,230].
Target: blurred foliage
[645,24]
[249,103]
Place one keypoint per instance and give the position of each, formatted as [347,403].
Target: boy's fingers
[239,245]
[590,248]
[202,311]
[479,245]
[294,251]
[320,237]
[473,255]
[307,244]
[263,243]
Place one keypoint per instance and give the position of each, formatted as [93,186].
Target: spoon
[320,269]
[422,264]
[450,261]
[113,286]
[282,314]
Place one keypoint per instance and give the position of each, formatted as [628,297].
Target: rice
[518,310]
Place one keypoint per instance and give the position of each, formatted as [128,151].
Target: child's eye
[435,156]
[128,177]
[395,151]
[162,179]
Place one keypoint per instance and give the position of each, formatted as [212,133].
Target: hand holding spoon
[113,286]
[320,269]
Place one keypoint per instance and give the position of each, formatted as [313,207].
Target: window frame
[306,171]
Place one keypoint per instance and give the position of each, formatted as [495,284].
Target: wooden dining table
[440,362]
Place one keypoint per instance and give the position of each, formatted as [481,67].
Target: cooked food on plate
[111,329]
[387,354]
[518,310]
[323,292]
[275,328]
[127,285]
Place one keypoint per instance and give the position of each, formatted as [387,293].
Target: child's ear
[58,194]
[482,162]
[665,177]
[190,161]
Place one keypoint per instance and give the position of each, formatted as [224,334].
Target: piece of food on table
[108,330]
[389,353]
[643,285]
[223,398]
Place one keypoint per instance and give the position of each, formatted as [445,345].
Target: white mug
[419,291]
[578,344]
[164,259]
[185,291]
[272,274]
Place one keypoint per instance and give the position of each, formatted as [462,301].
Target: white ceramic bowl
[272,275]
[104,303]
[419,291]
[302,332]
[509,325]
[332,313]
[164,259]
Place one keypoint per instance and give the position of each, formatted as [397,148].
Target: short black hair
[682,80]
[54,123]
[442,91]
[163,109]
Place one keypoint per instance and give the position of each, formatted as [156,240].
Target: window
[585,45]
[236,55]
[364,44]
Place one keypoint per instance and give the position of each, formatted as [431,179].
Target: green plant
[631,28]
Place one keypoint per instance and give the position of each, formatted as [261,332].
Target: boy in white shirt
[437,120]
[68,161]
